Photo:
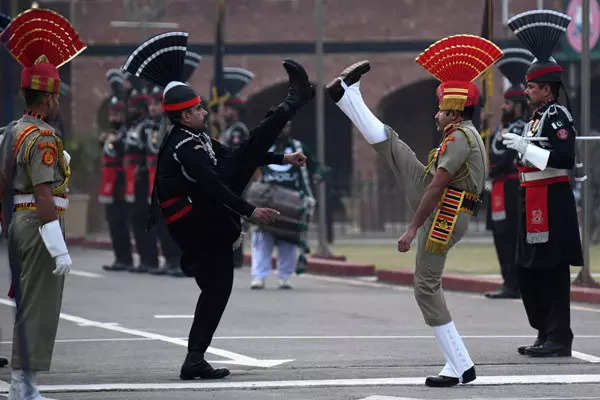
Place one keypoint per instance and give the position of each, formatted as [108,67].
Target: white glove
[67,157]
[530,152]
[63,264]
[55,243]
[515,142]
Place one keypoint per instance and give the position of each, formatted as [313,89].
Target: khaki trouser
[429,267]
[41,293]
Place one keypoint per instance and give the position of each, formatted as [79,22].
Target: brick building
[260,33]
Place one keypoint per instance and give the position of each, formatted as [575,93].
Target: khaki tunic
[39,159]
[463,157]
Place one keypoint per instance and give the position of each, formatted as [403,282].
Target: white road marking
[373,337]
[85,274]
[487,398]
[233,358]
[585,357]
[408,381]
[581,308]
[356,282]
[176,316]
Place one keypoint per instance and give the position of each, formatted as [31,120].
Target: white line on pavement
[356,282]
[409,381]
[176,316]
[85,274]
[233,358]
[585,357]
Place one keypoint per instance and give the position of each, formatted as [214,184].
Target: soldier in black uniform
[504,206]
[548,240]
[155,128]
[112,187]
[199,184]
[137,191]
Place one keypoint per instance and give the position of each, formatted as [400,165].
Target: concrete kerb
[342,268]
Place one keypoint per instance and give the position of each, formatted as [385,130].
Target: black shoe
[549,349]
[3,362]
[447,381]
[117,267]
[350,75]
[195,366]
[162,270]
[141,268]
[300,90]
[524,349]
[503,293]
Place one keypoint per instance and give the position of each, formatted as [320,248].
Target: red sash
[498,198]
[151,161]
[130,165]
[11,292]
[536,206]
[111,166]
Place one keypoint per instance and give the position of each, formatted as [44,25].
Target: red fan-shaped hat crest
[456,61]
[41,40]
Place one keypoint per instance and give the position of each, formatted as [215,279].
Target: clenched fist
[264,215]
[298,159]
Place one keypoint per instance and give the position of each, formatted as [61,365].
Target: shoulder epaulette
[21,136]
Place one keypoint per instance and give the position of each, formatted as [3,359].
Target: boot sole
[352,74]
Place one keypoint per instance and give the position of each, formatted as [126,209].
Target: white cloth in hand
[63,264]
[515,142]
[67,157]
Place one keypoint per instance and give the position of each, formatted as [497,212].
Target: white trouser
[453,347]
[353,105]
[262,249]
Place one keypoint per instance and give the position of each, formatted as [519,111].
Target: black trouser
[145,241]
[506,246]
[117,216]
[546,296]
[214,266]
[214,276]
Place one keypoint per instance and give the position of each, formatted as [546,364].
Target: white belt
[60,202]
[545,174]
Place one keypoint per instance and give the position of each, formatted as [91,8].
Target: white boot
[353,105]
[22,388]
[453,348]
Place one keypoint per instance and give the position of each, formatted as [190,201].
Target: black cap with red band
[539,31]
[513,65]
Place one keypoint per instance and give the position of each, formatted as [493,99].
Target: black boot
[524,349]
[195,366]
[3,362]
[116,266]
[447,381]
[300,90]
[503,293]
[549,349]
[160,270]
[350,75]
[141,268]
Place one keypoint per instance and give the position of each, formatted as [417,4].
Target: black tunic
[210,178]
[564,245]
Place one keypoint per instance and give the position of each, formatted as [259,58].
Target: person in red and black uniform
[199,183]
[137,189]
[112,187]
[548,240]
[504,206]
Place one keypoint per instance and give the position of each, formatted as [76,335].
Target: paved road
[123,336]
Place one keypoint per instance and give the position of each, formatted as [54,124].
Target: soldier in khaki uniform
[445,192]
[35,168]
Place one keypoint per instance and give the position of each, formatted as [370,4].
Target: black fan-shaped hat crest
[514,64]
[190,64]
[539,30]
[235,79]
[159,59]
